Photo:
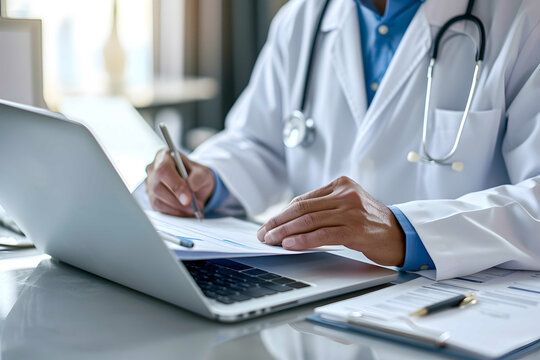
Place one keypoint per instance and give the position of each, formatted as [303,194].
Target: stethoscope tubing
[431,68]
[312,56]
[309,131]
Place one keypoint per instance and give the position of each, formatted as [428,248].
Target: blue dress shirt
[380,36]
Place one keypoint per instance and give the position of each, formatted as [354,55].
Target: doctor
[356,176]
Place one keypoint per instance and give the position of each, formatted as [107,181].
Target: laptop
[64,192]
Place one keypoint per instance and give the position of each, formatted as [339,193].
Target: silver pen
[180,167]
[176,240]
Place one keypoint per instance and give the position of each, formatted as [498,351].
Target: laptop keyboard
[229,281]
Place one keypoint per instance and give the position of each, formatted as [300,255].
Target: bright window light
[74,34]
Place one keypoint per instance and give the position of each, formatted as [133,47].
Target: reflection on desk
[55,311]
[65,313]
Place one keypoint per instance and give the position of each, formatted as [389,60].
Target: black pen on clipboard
[180,168]
[455,301]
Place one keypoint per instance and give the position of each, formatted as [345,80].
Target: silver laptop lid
[60,187]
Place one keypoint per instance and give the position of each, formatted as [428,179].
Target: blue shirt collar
[393,8]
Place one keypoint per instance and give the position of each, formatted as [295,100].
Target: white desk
[49,310]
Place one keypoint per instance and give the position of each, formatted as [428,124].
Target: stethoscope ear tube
[465,17]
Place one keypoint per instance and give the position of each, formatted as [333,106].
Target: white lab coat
[488,214]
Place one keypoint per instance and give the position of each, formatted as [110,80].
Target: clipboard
[417,341]
[502,324]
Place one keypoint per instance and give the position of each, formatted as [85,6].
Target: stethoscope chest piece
[298,131]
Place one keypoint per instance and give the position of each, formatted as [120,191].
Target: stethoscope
[299,130]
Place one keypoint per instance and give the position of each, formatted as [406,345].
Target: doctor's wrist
[396,242]
[400,240]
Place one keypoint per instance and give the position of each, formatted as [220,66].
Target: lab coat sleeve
[498,226]
[249,155]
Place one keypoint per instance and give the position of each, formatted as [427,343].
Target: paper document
[221,237]
[506,317]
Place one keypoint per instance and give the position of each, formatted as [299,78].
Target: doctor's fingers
[313,194]
[158,191]
[165,208]
[295,210]
[334,235]
[167,175]
[300,225]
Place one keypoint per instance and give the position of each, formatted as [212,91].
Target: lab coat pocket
[476,149]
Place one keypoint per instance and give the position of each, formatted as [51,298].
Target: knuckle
[308,220]
[324,234]
[353,195]
[282,231]
[301,206]
[296,199]
[160,170]
[272,223]
[177,188]
[342,180]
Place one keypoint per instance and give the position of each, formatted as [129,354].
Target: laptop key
[239,289]
[229,282]
[298,285]
[228,272]
[222,292]
[276,287]
[268,276]
[225,300]
[257,292]
[210,294]
[283,280]
[255,280]
[230,264]
[255,272]
[239,297]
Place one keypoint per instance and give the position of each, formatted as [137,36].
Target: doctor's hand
[169,193]
[340,213]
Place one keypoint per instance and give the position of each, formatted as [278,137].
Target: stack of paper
[215,238]
[505,319]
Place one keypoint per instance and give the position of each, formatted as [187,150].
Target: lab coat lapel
[347,55]
[410,53]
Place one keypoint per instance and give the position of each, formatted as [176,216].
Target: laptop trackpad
[318,268]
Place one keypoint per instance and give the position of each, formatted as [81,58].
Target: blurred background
[183,62]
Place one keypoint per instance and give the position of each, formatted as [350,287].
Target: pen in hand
[455,301]
[180,168]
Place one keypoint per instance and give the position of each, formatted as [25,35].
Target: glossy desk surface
[49,310]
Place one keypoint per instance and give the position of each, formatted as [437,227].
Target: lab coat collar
[411,52]
[336,15]
[437,12]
